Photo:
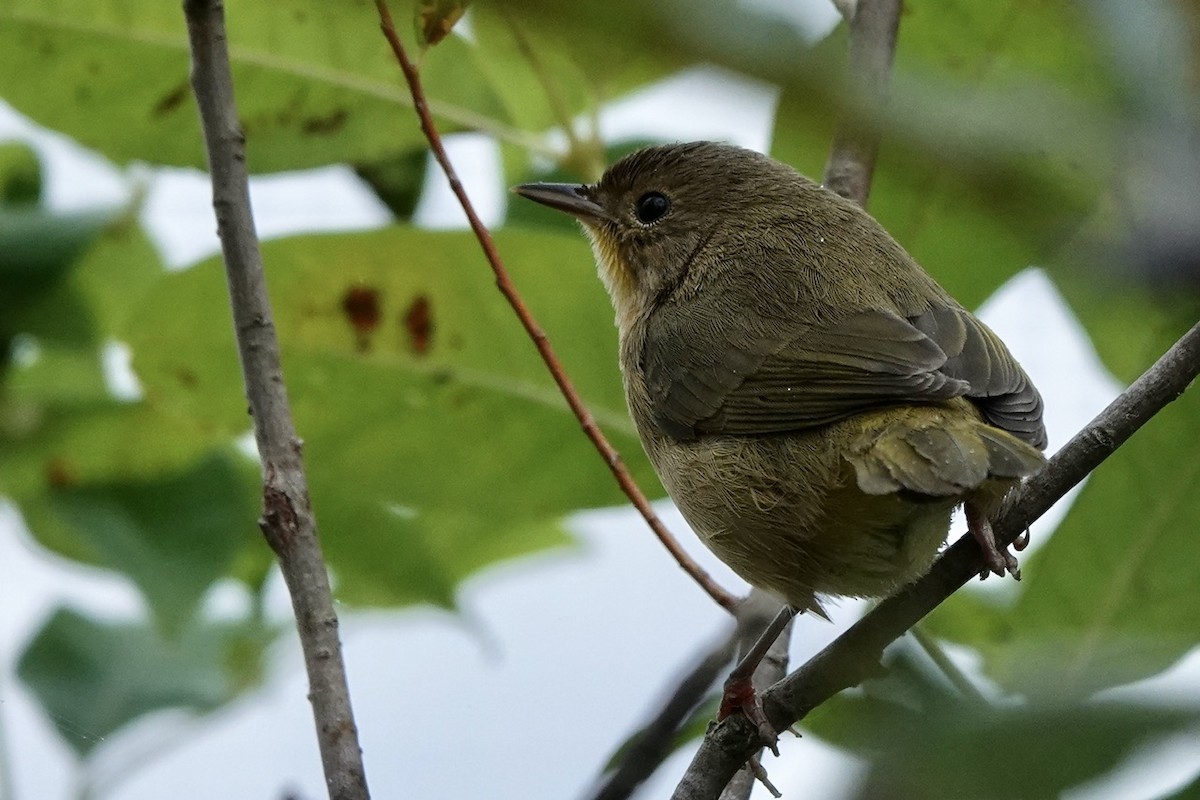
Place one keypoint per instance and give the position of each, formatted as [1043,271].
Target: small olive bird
[813,401]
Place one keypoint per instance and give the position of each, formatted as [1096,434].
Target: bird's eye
[651,207]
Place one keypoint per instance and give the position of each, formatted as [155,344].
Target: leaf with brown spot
[418,322]
[59,474]
[187,378]
[327,124]
[171,100]
[311,89]
[361,307]
[425,437]
[436,18]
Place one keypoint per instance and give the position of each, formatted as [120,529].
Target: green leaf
[994,145]
[93,444]
[436,442]
[1129,325]
[316,82]
[56,413]
[76,305]
[58,375]
[955,751]
[911,684]
[92,678]
[609,39]
[173,535]
[37,249]
[546,75]
[115,272]
[396,180]
[20,175]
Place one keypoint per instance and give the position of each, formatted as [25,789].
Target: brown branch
[287,521]
[851,164]
[610,455]
[854,656]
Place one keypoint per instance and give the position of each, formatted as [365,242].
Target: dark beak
[569,197]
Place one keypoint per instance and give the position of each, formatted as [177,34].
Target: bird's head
[654,212]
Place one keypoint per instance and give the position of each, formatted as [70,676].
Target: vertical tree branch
[504,283]
[851,165]
[772,670]
[287,521]
[873,28]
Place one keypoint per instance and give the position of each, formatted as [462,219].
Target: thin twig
[854,655]
[655,741]
[554,95]
[851,164]
[956,676]
[611,457]
[587,156]
[287,521]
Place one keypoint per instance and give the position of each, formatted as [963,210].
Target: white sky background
[558,657]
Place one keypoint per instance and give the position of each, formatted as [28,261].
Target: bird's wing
[746,380]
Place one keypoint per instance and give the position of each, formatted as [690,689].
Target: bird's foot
[739,696]
[999,560]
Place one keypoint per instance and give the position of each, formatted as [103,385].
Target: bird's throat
[615,276]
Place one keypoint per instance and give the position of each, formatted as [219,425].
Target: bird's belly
[787,515]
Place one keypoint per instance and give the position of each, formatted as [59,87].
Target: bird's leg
[739,693]
[999,560]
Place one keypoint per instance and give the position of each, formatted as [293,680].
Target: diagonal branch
[287,521]
[610,455]
[854,655]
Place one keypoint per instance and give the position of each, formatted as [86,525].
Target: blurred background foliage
[1058,133]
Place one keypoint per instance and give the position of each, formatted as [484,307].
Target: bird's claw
[1022,541]
[998,560]
[739,695]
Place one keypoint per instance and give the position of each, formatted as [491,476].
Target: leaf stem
[941,660]
[504,282]
[554,96]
